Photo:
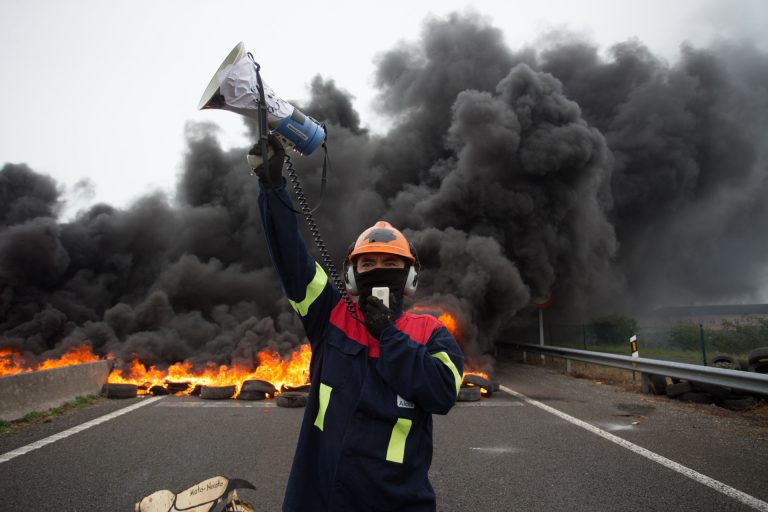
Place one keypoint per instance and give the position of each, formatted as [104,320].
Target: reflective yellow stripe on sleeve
[443,357]
[396,448]
[324,397]
[314,288]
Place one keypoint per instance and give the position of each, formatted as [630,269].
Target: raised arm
[309,289]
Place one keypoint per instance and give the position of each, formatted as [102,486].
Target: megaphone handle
[263,126]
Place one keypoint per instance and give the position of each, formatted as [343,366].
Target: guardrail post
[568,366]
[645,382]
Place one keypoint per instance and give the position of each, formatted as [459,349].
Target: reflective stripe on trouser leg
[396,448]
[324,397]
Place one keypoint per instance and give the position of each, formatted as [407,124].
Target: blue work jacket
[366,437]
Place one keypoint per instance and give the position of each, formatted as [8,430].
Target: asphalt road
[504,453]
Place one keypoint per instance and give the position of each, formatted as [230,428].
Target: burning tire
[176,387]
[480,382]
[304,388]
[158,391]
[677,389]
[292,399]
[468,394]
[258,387]
[658,384]
[217,392]
[120,390]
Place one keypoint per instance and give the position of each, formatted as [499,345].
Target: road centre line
[729,491]
[74,430]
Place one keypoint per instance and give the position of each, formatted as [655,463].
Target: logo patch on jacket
[402,402]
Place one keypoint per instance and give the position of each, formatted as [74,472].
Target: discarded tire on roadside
[217,392]
[468,394]
[713,389]
[677,389]
[292,399]
[737,402]
[725,361]
[696,397]
[758,356]
[120,390]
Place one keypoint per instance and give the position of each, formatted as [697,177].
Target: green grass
[7,427]
[666,353]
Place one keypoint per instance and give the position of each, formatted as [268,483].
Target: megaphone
[235,87]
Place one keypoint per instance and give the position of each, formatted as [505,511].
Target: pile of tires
[475,386]
[703,393]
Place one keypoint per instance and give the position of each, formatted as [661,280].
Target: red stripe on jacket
[418,327]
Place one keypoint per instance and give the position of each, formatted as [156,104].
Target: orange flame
[449,321]
[75,355]
[12,362]
[291,371]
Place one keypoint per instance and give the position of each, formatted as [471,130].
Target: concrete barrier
[23,393]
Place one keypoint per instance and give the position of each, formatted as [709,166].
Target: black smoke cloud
[604,182]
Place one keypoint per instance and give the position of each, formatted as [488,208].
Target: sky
[97,94]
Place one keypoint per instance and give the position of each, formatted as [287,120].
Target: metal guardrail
[735,379]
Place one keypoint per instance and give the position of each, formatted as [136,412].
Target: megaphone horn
[235,87]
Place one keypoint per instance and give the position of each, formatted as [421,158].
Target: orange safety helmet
[383,238]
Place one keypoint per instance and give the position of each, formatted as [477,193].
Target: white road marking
[729,491]
[74,430]
[494,450]
[267,404]
[217,405]
[489,403]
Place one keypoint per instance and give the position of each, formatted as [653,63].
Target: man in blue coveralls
[377,374]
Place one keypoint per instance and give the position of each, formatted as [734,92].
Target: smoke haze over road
[607,182]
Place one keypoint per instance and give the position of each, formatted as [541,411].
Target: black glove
[377,316]
[270,175]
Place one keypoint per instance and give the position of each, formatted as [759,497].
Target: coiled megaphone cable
[309,218]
